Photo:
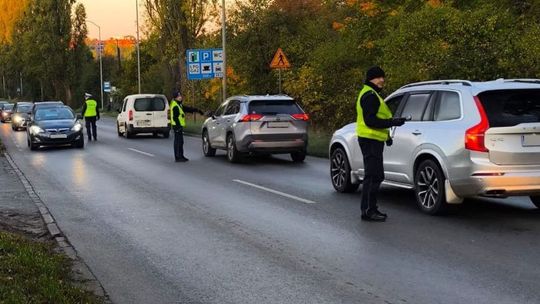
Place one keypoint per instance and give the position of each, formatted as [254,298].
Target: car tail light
[251,117]
[303,116]
[475,136]
[130,115]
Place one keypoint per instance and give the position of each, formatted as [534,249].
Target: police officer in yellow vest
[178,122]
[90,112]
[372,127]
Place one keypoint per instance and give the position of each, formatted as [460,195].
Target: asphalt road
[156,231]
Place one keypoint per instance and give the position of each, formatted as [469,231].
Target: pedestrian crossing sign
[280,61]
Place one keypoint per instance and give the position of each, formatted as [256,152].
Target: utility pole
[4,85]
[138,48]
[99,51]
[224,41]
[22,91]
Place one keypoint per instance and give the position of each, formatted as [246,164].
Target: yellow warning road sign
[280,61]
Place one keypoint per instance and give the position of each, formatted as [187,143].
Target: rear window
[274,107]
[507,108]
[149,104]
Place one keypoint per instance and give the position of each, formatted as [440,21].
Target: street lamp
[224,40]
[98,49]
[138,48]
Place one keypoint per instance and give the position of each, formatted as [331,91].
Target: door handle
[228,120]
[148,113]
[416,132]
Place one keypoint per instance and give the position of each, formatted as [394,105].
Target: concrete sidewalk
[22,211]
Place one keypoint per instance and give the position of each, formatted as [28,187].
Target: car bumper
[274,143]
[133,129]
[46,139]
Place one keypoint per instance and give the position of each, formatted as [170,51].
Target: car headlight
[36,130]
[4,114]
[77,127]
[17,119]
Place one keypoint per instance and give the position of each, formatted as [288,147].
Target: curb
[85,274]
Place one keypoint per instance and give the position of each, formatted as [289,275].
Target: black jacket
[370,107]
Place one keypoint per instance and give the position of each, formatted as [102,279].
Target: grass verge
[317,144]
[30,272]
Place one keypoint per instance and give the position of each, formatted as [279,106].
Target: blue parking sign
[204,63]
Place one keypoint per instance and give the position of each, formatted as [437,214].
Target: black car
[21,115]
[55,126]
[7,111]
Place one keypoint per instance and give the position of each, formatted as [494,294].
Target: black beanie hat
[176,93]
[374,72]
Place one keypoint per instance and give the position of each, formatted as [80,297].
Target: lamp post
[98,50]
[224,41]
[138,48]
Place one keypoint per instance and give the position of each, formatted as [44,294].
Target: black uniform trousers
[91,129]
[178,142]
[372,152]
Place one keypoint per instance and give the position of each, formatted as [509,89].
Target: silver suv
[465,139]
[271,124]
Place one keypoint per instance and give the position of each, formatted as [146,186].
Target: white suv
[465,139]
[144,113]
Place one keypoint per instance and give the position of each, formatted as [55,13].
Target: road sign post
[280,62]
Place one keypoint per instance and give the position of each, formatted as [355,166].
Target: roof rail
[525,80]
[451,81]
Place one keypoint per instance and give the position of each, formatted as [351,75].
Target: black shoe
[90,139]
[374,217]
[381,214]
[181,160]
[95,139]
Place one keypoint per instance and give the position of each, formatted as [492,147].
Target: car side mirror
[79,116]
[210,114]
[119,111]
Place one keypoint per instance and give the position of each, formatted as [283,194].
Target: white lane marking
[275,192]
[141,152]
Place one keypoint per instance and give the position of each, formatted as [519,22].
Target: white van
[144,113]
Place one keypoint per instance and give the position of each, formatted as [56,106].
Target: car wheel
[118,129]
[127,134]
[208,151]
[429,188]
[80,143]
[232,153]
[340,172]
[536,200]
[31,145]
[154,134]
[298,157]
[166,134]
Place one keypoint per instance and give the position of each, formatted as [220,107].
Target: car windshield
[507,108]
[24,108]
[274,107]
[53,114]
[8,107]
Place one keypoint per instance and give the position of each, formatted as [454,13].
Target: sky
[117,18]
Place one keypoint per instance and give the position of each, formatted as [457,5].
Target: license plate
[143,123]
[532,140]
[56,136]
[278,124]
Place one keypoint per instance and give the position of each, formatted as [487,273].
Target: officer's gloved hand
[389,142]
[398,122]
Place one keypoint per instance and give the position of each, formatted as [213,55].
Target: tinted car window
[24,108]
[149,104]
[506,108]
[394,103]
[219,111]
[8,107]
[233,108]
[53,114]
[415,106]
[273,107]
[448,107]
